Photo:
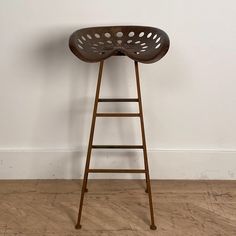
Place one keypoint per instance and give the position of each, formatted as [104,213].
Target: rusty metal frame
[91,146]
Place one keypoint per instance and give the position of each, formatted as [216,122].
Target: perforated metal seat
[140,43]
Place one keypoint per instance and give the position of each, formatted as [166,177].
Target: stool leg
[148,190]
[84,186]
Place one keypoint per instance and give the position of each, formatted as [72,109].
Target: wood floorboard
[117,208]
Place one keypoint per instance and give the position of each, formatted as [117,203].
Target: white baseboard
[164,164]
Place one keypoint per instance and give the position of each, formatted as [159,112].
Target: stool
[141,44]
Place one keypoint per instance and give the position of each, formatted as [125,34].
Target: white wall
[47,94]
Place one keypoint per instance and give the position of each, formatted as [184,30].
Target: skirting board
[163,164]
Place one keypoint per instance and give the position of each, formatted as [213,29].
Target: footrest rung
[117,146]
[113,114]
[118,99]
[117,171]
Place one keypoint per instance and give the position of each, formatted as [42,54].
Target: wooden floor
[117,207]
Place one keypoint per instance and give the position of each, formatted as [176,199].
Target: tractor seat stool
[141,44]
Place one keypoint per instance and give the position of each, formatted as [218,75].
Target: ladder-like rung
[118,99]
[117,146]
[117,170]
[114,114]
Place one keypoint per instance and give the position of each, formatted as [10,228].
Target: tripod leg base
[146,190]
[86,190]
[78,226]
[153,227]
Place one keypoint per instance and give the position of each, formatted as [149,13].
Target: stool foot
[86,190]
[78,226]
[146,190]
[153,227]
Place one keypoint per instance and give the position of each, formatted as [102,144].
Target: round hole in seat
[131,34]
[83,38]
[137,42]
[119,34]
[158,40]
[119,41]
[154,36]
[80,41]
[141,34]
[89,36]
[129,41]
[158,45]
[107,35]
[149,35]
[97,35]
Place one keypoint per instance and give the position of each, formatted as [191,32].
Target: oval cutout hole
[80,41]
[141,34]
[107,35]
[119,34]
[131,34]
[158,45]
[158,40]
[154,36]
